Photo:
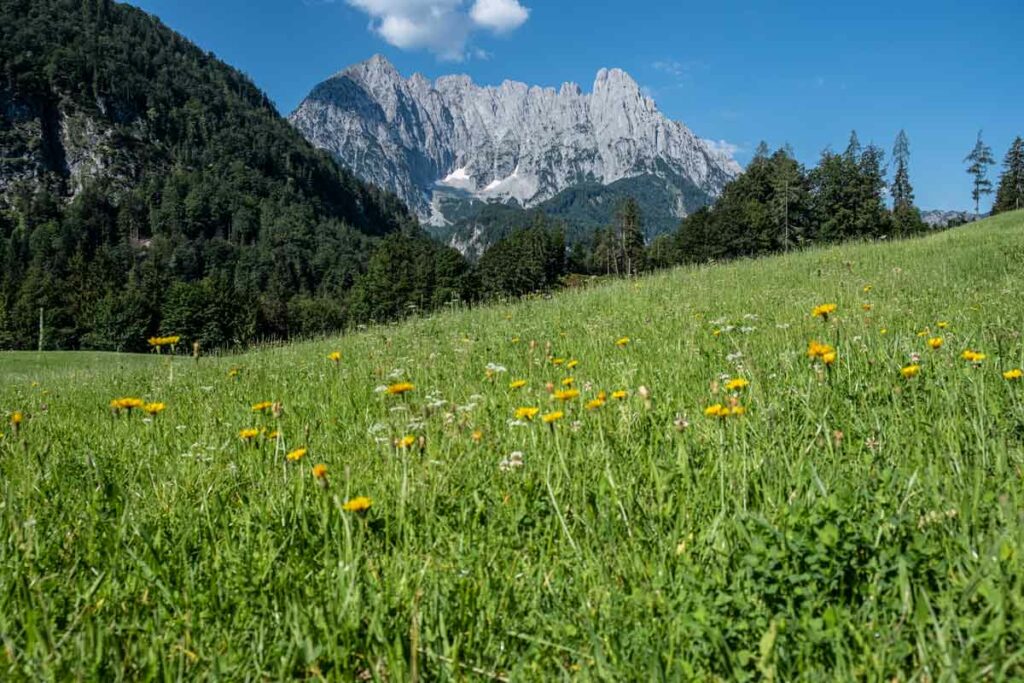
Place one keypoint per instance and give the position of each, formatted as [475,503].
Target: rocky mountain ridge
[513,143]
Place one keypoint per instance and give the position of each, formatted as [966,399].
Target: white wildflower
[513,461]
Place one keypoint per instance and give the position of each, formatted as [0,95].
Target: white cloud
[499,15]
[440,26]
[671,67]
[679,71]
[722,147]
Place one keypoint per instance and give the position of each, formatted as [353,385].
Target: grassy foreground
[853,523]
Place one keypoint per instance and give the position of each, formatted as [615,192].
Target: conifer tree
[906,217]
[1010,195]
[979,160]
[630,237]
[789,198]
[902,192]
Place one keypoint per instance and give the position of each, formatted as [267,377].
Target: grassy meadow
[842,517]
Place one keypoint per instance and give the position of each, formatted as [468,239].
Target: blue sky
[803,73]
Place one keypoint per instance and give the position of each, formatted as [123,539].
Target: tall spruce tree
[790,198]
[902,192]
[906,217]
[872,217]
[629,235]
[1010,195]
[978,162]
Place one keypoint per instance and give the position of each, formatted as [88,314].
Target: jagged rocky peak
[510,143]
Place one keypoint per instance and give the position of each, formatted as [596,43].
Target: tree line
[101,286]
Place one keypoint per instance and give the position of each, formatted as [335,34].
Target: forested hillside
[146,186]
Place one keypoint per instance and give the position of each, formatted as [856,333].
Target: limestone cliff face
[511,143]
[57,145]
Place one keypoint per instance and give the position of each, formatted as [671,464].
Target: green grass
[851,525]
[18,366]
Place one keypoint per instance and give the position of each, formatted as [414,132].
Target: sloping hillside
[141,178]
[722,498]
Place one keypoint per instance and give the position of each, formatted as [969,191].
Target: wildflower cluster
[128,404]
[823,352]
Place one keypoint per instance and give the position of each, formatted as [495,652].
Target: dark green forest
[206,214]
[146,188]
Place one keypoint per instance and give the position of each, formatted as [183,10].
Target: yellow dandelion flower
[911,371]
[716,410]
[557,361]
[1013,375]
[296,455]
[828,358]
[517,384]
[936,343]
[154,409]
[736,384]
[233,373]
[620,395]
[273,435]
[17,417]
[571,364]
[866,307]
[973,356]
[477,436]
[320,471]
[262,406]
[407,441]
[334,356]
[824,311]
[552,417]
[595,404]
[248,434]
[867,289]
[818,350]
[128,404]
[359,504]
[942,324]
[527,413]
[602,395]
[568,382]
[622,341]
[566,394]
[719,410]
[400,388]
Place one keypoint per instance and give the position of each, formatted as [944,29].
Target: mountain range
[448,147]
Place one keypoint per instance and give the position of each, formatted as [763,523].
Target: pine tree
[853,148]
[789,198]
[979,159]
[872,217]
[906,217]
[1010,195]
[630,237]
[902,192]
